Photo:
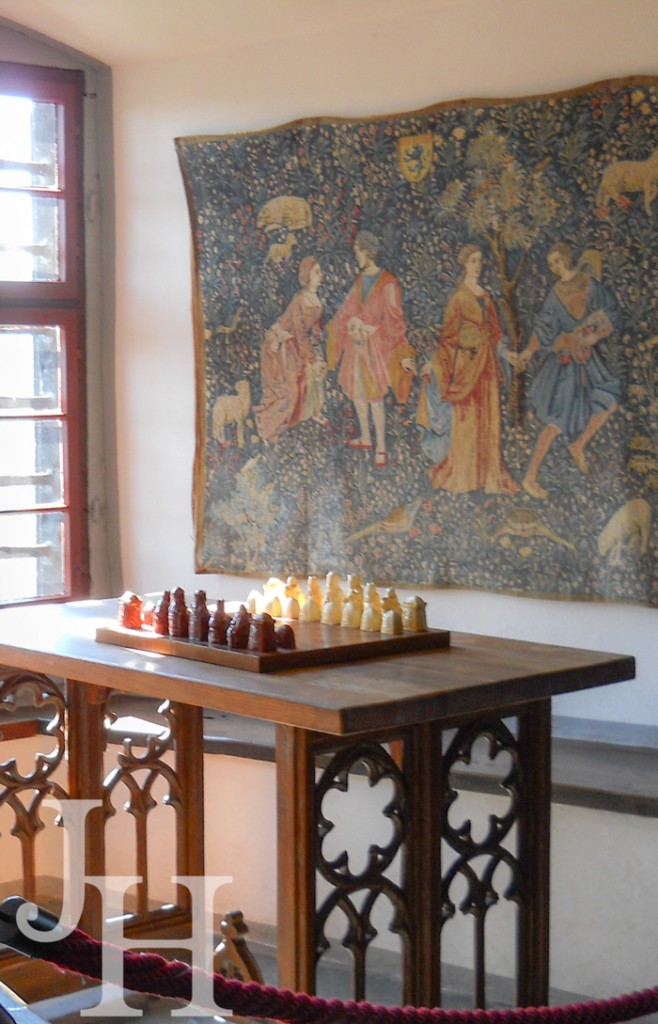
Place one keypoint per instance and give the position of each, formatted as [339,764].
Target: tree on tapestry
[511,208]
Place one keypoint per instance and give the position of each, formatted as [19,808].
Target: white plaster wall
[369,57]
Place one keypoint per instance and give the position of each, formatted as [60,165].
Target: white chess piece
[311,610]
[332,606]
[371,619]
[353,606]
[413,614]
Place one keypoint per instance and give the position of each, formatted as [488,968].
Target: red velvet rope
[151,973]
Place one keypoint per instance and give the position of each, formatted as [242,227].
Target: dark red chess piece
[178,615]
[199,618]
[285,637]
[217,626]
[161,614]
[261,633]
[237,634]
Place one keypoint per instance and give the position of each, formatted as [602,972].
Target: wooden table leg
[189,769]
[296,831]
[423,769]
[86,745]
[534,854]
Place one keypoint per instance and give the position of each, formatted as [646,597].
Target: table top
[473,674]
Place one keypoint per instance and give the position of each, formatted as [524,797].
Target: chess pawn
[199,618]
[161,614]
[290,603]
[392,622]
[332,606]
[285,637]
[178,614]
[254,602]
[311,610]
[391,613]
[371,619]
[353,607]
[413,614]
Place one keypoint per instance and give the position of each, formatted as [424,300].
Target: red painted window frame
[61,303]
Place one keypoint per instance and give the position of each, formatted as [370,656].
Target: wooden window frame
[61,303]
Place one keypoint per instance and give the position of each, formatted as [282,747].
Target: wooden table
[405,719]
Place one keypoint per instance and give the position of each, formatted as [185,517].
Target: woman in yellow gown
[466,370]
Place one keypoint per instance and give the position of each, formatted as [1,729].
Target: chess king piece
[311,610]
[332,606]
[353,607]
[371,619]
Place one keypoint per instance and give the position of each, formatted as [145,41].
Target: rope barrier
[152,974]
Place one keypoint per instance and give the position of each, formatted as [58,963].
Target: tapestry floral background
[427,345]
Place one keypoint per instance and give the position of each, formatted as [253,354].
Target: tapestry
[427,345]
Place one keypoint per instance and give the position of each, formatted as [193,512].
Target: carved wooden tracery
[72,717]
[140,765]
[476,862]
[480,859]
[25,793]
[372,883]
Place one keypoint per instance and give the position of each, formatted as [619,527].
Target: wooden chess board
[317,644]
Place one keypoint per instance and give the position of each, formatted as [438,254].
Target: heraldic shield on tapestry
[427,345]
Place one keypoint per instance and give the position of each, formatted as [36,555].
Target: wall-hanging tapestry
[427,345]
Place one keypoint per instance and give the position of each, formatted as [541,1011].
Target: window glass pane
[32,549]
[30,369]
[30,237]
[28,143]
[30,463]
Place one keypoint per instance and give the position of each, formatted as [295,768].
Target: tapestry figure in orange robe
[465,368]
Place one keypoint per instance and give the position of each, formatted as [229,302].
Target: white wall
[370,57]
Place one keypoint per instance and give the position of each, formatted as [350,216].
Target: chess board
[317,644]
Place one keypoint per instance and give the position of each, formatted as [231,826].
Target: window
[43,529]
